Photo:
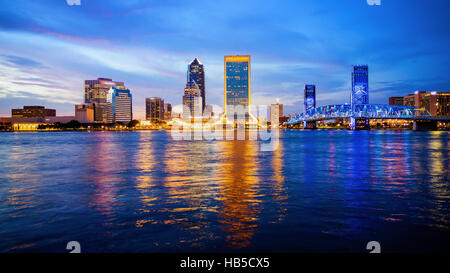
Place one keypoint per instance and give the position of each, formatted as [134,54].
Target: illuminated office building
[360,85]
[196,73]
[119,105]
[237,86]
[310,97]
[33,112]
[437,103]
[192,101]
[96,92]
[154,109]
[276,111]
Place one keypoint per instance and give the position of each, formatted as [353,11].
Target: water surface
[320,191]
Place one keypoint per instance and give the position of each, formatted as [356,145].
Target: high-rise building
[167,111]
[196,73]
[276,111]
[310,97]
[192,101]
[119,105]
[96,92]
[237,86]
[154,109]
[33,112]
[84,113]
[360,85]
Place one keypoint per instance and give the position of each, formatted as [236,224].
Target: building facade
[192,101]
[33,112]
[437,103]
[84,113]
[237,85]
[276,112]
[119,105]
[196,73]
[396,100]
[360,85]
[167,111]
[309,98]
[96,92]
[154,109]
[209,111]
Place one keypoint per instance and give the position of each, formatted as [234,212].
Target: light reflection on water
[320,190]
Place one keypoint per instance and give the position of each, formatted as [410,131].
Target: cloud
[20,61]
[48,48]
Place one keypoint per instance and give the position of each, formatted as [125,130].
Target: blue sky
[48,48]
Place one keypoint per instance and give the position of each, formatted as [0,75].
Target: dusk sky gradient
[48,48]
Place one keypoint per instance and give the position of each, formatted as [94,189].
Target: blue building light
[310,97]
[360,85]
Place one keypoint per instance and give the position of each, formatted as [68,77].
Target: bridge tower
[310,97]
[360,94]
[310,103]
[360,85]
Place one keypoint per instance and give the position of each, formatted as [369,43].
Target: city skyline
[200,132]
[153,62]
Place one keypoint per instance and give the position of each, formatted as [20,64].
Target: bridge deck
[365,111]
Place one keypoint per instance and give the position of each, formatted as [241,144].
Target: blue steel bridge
[359,111]
[365,112]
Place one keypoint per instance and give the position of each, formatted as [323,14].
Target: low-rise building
[167,111]
[396,100]
[33,112]
[84,113]
[437,103]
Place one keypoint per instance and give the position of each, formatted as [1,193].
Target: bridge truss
[363,111]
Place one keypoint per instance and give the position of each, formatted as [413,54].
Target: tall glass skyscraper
[192,101]
[237,84]
[119,105]
[96,92]
[310,97]
[360,85]
[196,73]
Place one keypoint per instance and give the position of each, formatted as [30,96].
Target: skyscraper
[96,92]
[154,109]
[196,73]
[360,85]
[237,85]
[276,111]
[192,101]
[310,97]
[119,105]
